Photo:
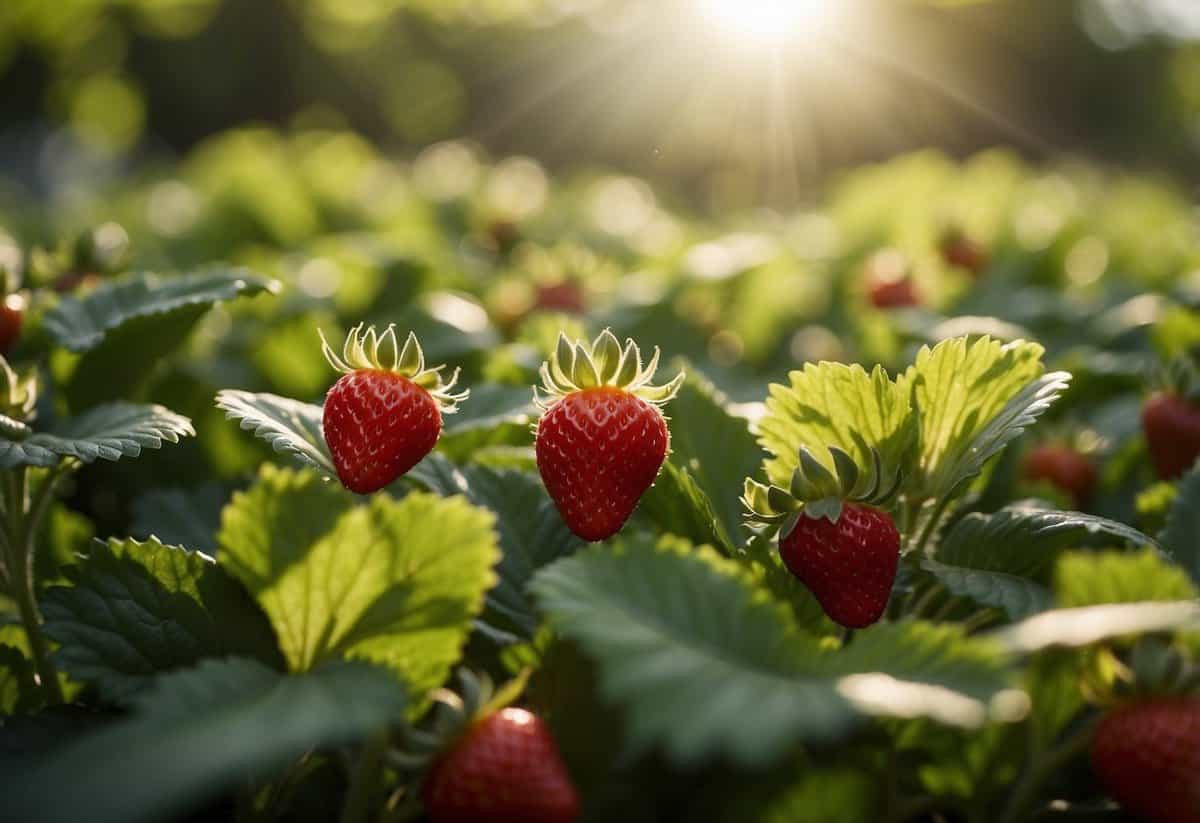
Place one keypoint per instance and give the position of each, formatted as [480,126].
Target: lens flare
[767,20]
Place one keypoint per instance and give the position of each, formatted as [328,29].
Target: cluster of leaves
[246,628]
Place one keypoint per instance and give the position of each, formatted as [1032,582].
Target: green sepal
[580,365]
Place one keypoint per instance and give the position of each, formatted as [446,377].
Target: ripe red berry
[1064,468]
[565,296]
[505,769]
[894,294]
[849,566]
[12,318]
[381,421]
[960,250]
[1172,427]
[601,443]
[1147,756]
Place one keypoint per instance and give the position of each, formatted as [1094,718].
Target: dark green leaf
[182,517]
[199,732]
[677,505]
[493,414]
[291,427]
[1181,536]
[137,609]
[16,678]
[104,433]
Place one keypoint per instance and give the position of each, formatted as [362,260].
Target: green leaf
[492,415]
[831,404]
[531,532]
[291,427]
[200,732]
[714,446]
[1181,536]
[393,582]
[677,505]
[707,663]
[973,399]
[16,678]
[182,517]
[1094,624]
[134,610]
[107,432]
[827,795]
[1002,559]
[1092,578]
[112,324]
[82,323]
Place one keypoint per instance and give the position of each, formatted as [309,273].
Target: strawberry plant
[743,535]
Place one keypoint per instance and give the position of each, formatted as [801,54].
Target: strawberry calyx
[1181,376]
[1153,668]
[603,363]
[816,491]
[365,349]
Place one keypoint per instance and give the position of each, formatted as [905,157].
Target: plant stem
[21,549]
[1045,766]
[931,525]
[364,780]
[926,600]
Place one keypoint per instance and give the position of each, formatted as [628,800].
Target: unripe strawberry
[382,417]
[1146,754]
[1171,424]
[1063,467]
[505,769]
[602,438]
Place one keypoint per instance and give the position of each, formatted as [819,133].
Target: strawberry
[961,251]
[832,536]
[849,564]
[1064,468]
[1171,423]
[380,420]
[564,296]
[505,769]
[602,438]
[12,317]
[894,294]
[1146,754]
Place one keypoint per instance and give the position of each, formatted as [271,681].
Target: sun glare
[767,20]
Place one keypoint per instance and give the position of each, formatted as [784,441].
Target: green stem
[1037,773]
[978,620]
[926,600]
[21,550]
[931,526]
[364,781]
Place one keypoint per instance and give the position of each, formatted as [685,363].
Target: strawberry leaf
[530,530]
[393,582]
[973,398]
[197,733]
[1093,578]
[107,432]
[831,404]
[291,427]
[494,415]
[1003,559]
[183,517]
[16,679]
[134,610]
[677,505]
[707,663]
[1181,535]
[82,323]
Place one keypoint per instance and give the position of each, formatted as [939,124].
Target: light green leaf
[200,732]
[531,532]
[1094,624]
[81,323]
[973,399]
[715,446]
[1181,536]
[107,432]
[134,610]
[1002,559]
[707,663]
[291,427]
[393,582]
[1093,578]
[831,404]
[827,795]
[16,678]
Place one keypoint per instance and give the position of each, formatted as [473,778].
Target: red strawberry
[1172,427]
[960,250]
[849,565]
[602,442]
[379,421]
[1064,468]
[564,296]
[1147,756]
[894,294]
[12,317]
[505,769]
